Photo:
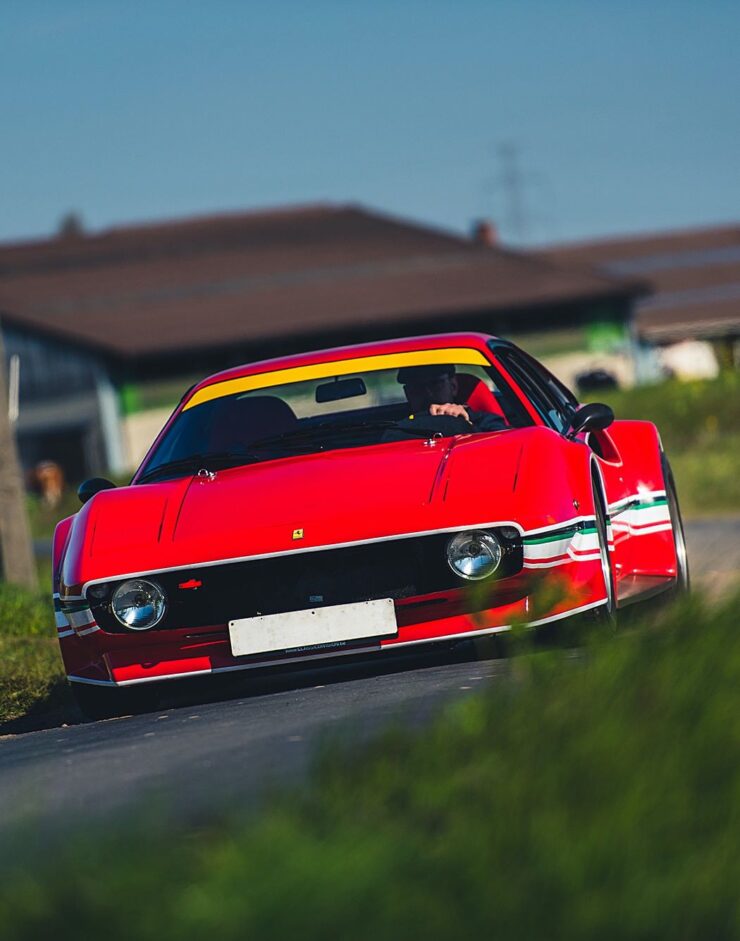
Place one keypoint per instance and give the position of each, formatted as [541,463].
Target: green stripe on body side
[648,505]
[639,505]
[559,535]
[73,607]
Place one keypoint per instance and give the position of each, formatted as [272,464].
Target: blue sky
[625,116]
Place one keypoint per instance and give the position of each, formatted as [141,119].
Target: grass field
[588,797]
[31,674]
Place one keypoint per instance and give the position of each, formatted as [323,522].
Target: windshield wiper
[320,429]
[432,426]
[195,462]
[330,433]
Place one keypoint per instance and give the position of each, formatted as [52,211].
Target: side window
[513,410]
[561,394]
[553,408]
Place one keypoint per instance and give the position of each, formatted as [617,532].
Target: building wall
[67,411]
[139,431]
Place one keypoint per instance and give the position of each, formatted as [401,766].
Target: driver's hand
[456,411]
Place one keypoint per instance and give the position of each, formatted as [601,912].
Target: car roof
[432,341]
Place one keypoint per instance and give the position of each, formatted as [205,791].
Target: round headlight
[474,555]
[139,604]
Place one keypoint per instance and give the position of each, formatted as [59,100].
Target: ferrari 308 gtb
[361,500]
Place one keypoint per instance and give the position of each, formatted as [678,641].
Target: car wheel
[104,702]
[489,647]
[605,614]
[683,582]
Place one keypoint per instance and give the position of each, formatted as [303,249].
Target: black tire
[605,614]
[489,647]
[105,702]
[682,584]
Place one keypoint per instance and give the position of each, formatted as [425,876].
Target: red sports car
[361,500]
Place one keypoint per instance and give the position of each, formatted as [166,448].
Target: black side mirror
[592,417]
[89,488]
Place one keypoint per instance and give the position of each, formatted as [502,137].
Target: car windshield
[218,428]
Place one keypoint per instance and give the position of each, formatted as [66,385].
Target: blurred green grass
[586,796]
[699,424]
[24,613]
[31,676]
[690,415]
[708,479]
[31,673]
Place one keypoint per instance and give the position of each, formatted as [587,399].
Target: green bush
[591,796]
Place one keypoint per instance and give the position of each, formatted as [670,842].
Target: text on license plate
[333,624]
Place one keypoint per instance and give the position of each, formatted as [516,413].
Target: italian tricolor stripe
[561,547]
[640,517]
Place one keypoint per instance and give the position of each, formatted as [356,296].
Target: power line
[512,184]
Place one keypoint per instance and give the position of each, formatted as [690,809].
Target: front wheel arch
[683,580]
[605,613]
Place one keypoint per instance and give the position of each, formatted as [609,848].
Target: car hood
[292,504]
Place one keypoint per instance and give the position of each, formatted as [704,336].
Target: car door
[556,405]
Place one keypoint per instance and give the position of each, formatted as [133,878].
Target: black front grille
[397,568]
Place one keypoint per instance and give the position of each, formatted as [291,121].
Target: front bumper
[93,655]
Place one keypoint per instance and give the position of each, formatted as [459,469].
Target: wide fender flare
[640,450]
[554,481]
[58,548]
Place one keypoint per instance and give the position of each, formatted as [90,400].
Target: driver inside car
[433,390]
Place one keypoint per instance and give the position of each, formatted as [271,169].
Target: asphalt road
[186,760]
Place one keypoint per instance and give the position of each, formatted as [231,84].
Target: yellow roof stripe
[462,356]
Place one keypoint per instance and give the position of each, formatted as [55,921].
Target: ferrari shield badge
[297,534]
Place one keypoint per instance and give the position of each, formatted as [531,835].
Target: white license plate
[334,624]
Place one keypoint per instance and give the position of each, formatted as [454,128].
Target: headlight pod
[97,593]
[139,604]
[474,554]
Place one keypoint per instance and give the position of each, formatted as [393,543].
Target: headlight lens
[139,604]
[474,555]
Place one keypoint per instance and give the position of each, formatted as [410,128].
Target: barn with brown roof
[694,275]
